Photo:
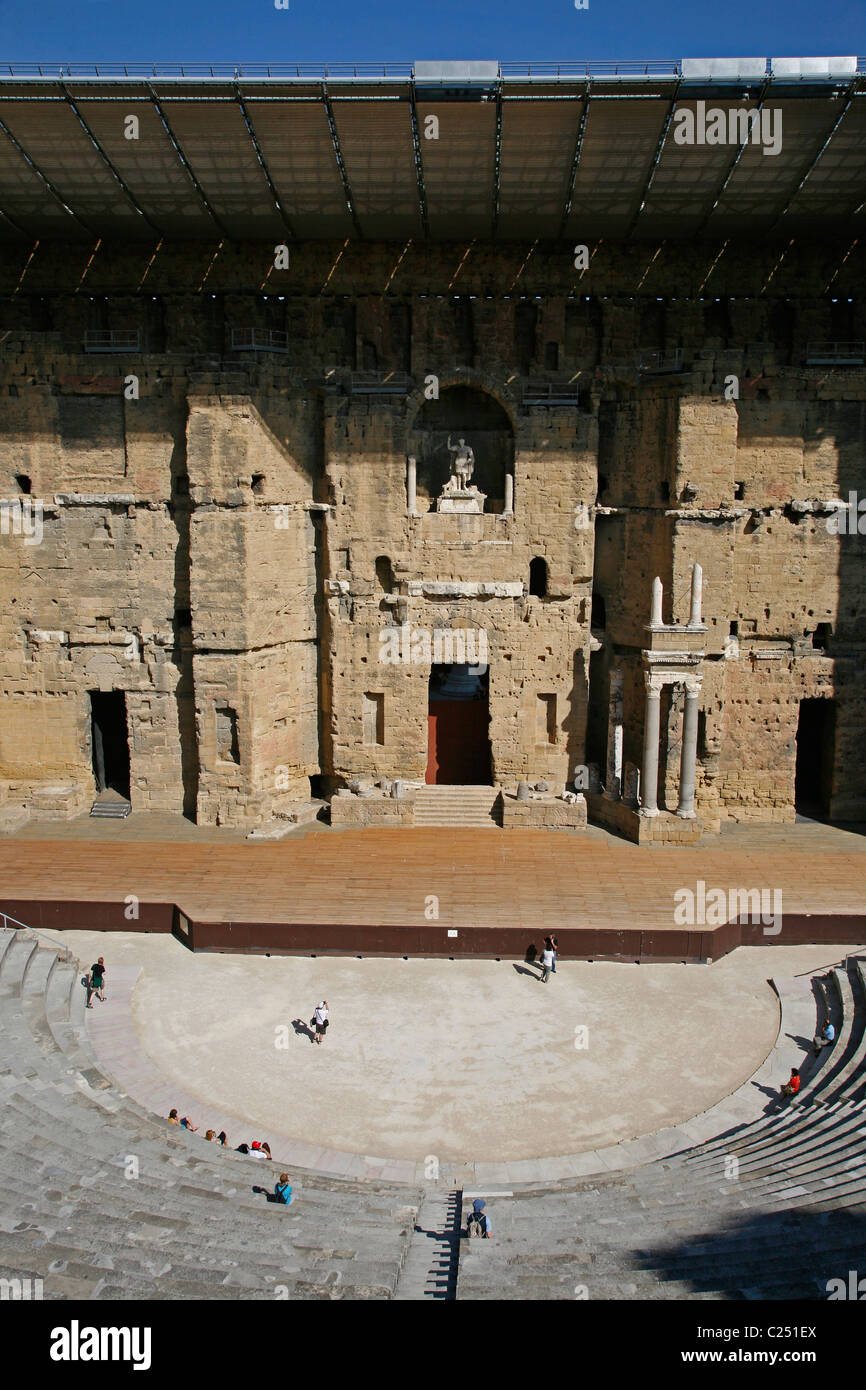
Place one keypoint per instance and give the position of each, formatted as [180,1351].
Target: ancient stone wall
[227,538]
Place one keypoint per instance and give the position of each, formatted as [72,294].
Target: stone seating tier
[787,1216]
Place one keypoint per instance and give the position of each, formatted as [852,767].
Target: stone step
[472,807]
[429,1270]
[13,966]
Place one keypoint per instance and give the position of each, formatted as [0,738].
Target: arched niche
[477,417]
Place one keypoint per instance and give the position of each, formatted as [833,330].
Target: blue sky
[403,30]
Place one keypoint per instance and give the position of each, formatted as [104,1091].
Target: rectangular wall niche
[374,718]
[545,719]
[227,734]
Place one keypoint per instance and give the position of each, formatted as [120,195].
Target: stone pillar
[509,492]
[656,614]
[650,773]
[697,595]
[686,807]
[411,484]
[613,778]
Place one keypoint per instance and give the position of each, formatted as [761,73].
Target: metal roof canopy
[441,149]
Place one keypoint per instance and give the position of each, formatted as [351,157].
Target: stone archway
[477,416]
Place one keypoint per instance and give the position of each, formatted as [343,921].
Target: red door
[458,743]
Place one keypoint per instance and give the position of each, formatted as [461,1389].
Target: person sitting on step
[791,1087]
[185,1122]
[283,1190]
[825,1037]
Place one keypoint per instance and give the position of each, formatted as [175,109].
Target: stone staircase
[475,807]
[430,1268]
[103,1200]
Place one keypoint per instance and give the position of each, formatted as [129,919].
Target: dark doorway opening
[110,741]
[458,732]
[538,577]
[816,741]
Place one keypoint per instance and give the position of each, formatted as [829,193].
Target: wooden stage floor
[521,879]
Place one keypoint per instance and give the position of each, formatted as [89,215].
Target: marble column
[650,772]
[656,612]
[686,807]
[411,484]
[509,493]
[697,595]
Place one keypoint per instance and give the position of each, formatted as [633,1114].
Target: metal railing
[835,354]
[259,340]
[317,72]
[550,393]
[12,924]
[112,340]
[378,383]
[653,68]
[314,72]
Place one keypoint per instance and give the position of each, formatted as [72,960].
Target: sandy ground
[455,1058]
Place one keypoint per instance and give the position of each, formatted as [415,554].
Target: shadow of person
[772,1091]
[522,970]
[303,1030]
[775,1099]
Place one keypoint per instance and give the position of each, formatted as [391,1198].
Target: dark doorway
[816,740]
[110,741]
[538,577]
[458,735]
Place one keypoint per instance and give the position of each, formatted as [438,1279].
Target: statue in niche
[463,464]
[458,494]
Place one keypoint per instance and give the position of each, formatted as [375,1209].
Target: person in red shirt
[791,1087]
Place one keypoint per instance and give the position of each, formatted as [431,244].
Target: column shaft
[689,756]
[411,486]
[650,773]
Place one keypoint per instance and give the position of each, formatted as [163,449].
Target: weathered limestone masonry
[228,538]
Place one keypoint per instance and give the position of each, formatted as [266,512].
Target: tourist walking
[547,961]
[97,979]
[478,1223]
[553,943]
[321,1019]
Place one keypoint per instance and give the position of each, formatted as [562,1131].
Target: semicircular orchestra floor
[466,1061]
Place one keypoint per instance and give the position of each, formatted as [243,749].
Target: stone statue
[458,494]
[463,464]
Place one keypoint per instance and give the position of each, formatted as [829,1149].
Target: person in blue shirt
[478,1214]
[283,1190]
[825,1037]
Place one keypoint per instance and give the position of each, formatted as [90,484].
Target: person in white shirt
[546,962]
[321,1019]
